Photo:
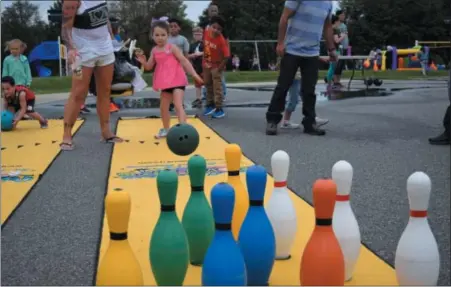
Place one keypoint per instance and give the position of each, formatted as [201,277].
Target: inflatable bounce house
[407,59]
[47,51]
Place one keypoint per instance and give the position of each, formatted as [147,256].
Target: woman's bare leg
[77,97]
[165,102]
[104,77]
[177,99]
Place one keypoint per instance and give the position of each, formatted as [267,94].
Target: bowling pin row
[238,241]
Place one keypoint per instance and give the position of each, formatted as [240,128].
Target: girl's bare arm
[183,61]
[150,63]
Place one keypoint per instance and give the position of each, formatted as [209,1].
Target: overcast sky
[194,8]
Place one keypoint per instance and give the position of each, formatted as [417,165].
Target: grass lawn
[60,85]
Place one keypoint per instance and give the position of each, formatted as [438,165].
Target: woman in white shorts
[86,32]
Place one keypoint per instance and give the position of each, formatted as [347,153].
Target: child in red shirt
[20,101]
[216,55]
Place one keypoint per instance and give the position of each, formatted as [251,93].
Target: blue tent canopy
[48,50]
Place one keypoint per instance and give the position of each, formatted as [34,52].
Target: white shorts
[99,61]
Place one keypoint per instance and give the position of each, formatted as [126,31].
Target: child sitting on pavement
[294,94]
[20,100]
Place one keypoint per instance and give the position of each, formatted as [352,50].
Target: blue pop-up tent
[46,51]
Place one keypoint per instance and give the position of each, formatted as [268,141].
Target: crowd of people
[89,39]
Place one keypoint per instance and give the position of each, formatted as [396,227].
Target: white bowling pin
[280,208]
[417,260]
[345,224]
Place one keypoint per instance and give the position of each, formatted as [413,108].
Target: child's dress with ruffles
[169,72]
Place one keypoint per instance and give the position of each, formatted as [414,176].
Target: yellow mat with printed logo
[26,153]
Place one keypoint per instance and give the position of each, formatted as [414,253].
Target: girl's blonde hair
[22,44]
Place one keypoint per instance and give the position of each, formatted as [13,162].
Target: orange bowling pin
[233,160]
[322,261]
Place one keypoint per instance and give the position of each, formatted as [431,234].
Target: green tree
[54,23]
[250,20]
[136,17]
[397,23]
[21,20]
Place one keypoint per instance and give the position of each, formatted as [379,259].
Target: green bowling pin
[169,254]
[198,217]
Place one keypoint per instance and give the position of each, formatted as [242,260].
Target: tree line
[371,24]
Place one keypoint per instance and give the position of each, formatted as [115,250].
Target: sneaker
[84,110]
[113,108]
[162,133]
[313,130]
[45,124]
[209,110]
[218,114]
[271,129]
[197,103]
[321,122]
[442,139]
[171,107]
[26,117]
[289,125]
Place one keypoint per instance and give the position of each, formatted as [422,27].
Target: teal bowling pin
[198,217]
[169,253]
[256,239]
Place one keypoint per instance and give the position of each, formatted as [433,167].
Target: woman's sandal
[114,139]
[66,146]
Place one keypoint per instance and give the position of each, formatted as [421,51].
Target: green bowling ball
[182,139]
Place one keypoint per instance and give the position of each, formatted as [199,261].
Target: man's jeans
[289,65]
[293,96]
[224,87]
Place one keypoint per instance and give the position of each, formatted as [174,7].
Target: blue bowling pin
[223,263]
[256,239]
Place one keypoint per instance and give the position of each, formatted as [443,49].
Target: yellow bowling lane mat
[134,168]
[26,154]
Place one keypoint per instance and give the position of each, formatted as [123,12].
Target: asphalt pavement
[52,238]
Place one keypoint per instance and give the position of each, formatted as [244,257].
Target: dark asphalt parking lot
[52,238]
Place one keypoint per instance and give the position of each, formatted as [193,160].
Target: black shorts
[171,90]
[30,106]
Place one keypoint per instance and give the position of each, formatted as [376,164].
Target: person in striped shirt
[300,29]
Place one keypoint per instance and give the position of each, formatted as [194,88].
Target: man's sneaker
[209,110]
[289,125]
[162,133]
[442,139]
[313,130]
[271,129]
[113,108]
[45,124]
[218,114]
[84,110]
[321,122]
[197,103]
[171,107]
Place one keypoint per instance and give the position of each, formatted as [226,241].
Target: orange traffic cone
[322,262]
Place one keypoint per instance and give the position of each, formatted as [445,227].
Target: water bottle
[77,68]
